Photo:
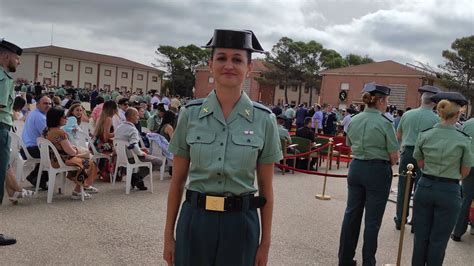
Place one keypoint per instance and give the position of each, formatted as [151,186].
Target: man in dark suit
[306,131]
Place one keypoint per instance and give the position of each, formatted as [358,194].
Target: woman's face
[77,112]
[141,112]
[229,67]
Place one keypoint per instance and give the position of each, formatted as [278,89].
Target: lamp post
[54,75]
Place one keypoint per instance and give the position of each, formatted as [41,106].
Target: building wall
[89,78]
[293,96]
[139,83]
[66,75]
[331,86]
[47,65]
[121,80]
[107,80]
[204,83]
[154,85]
[26,69]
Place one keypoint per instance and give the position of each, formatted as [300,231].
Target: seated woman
[18,105]
[74,119]
[166,126]
[103,138]
[71,155]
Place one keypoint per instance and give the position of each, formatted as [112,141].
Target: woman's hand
[261,258]
[168,250]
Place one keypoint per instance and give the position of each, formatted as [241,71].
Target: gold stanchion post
[406,201]
[329,155]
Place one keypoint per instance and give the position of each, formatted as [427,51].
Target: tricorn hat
[10,47]
[450,96]
[235,39]
[375,88]
[429,88]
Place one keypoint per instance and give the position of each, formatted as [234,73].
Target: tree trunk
[286,91]
[310,96]
[300,88]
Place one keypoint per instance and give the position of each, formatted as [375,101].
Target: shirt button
[219,182]
[223,129]
[198,138]
[220,158]
[248,140]
[222,144]
[218,173]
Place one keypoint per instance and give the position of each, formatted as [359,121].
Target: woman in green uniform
[375,149]
[219,144]
[444,155]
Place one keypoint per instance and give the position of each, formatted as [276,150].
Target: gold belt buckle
[214,203]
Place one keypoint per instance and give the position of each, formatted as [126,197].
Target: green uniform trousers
[216,238]
[4,156]
[467,197]
[368,187]
[436,208]
[406,157]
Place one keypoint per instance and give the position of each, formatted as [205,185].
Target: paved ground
[113,228]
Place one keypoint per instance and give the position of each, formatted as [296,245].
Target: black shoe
[6,240]
[141,186]
[170,170]
[135,180]
[32,180]
[397,224]
[456,238]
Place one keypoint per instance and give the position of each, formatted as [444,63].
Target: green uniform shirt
[468,128]
[444,150]
[114,95]
[24,88]
[106,97]
[224,153]
[371,136]
[60,92]
[7,96]
[153,122]
[415,121]
[147,98]
[283,133]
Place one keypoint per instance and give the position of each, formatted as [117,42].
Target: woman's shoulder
[56,135]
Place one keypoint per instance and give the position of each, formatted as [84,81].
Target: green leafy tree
[354,59]
[459,67]
[180,64]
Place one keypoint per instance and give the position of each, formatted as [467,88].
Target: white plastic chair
[16,161]
[45,165]
[122,160]
[156,151]
[19,124]
[86,142]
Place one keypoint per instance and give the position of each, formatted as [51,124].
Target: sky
[406,31]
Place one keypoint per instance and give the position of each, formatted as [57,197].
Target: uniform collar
[439,125]
[6,72]
[244,107]
[371,110]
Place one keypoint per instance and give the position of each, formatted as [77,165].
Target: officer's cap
[375,88]
[281,116]
[429,88]
[450,96]
[235,39]
[10,47]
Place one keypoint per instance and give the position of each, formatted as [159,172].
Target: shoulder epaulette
[389,120]
[261,107]
[464,133]
[427,129]
[194,102]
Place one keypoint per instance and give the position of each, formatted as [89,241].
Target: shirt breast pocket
[201,146]
[246,149]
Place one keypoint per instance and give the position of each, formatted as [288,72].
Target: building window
[48,64]
[154,79]
[281,87]
[107,72]
[293,102]
[87,85]
[88,70]
[106,87]
[124,75]
[344,86]
[139,77]
[68,67]
[210,79]
[68,83]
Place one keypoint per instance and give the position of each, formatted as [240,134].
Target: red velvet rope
[309,172]
[307,153]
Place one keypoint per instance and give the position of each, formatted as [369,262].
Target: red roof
[87,56]
[388,67]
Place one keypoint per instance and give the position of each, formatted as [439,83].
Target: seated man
[33,128]
[128,132]
[154,122]
[282,131]
[306,131]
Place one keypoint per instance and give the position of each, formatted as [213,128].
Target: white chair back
[19,124]
[121,150]
[14,146]
[83,139]
[45,146]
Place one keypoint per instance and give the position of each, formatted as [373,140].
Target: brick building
[403,80]
[62,66]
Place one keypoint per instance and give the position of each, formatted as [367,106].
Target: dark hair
[168,118]
[99,100]
[307,120]
[122,101]
[53,117]
[249,55]
[38,98]
[19,103]
[29,98]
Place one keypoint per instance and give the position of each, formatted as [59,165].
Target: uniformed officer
[219,143]
[467,191]
[9,61]
[411,124]
[375,149]
[444,155]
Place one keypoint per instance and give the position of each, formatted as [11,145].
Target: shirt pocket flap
[247,140]
[205,138]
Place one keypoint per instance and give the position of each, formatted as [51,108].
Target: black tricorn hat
[429,88]
[235,39]
[10,47]
[450,96]
[375,88]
